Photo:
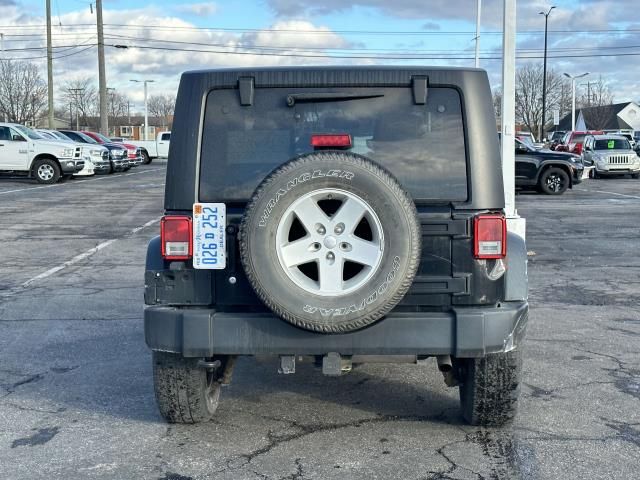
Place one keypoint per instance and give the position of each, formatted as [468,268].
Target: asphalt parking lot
[76,398]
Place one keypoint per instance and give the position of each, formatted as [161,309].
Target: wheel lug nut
[330,256]
[339,228]
[320,229]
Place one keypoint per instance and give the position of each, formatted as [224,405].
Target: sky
[163,39]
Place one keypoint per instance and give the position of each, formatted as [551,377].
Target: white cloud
[176,46]
[204,9]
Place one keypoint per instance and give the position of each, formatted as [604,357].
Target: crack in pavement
[11,388]
[305,430]
[625,379]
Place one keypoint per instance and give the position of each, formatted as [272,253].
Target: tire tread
[412,264]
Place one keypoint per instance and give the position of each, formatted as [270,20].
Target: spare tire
[330,241]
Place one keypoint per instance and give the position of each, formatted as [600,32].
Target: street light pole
[479,9]
[573,97]
[146,110]
[544,73]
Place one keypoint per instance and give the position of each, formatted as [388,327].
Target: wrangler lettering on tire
[330,242]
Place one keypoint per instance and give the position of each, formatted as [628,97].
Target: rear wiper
[294,98]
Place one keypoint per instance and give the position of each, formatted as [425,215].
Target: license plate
[209,223]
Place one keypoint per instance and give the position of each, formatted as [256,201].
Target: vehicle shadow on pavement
[402,391]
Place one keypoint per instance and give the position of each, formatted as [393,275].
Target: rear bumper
[463,332]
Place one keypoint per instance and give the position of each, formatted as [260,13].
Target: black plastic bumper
[464,332]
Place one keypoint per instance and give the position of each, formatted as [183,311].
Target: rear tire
[185,393]
[490,388]
[146,159]
[554,181]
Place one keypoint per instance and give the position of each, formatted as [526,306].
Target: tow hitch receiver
[334,365]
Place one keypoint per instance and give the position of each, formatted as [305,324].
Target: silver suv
[610,155]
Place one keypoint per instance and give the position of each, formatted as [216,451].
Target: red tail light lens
[490,237]
[176,237]
[331,140]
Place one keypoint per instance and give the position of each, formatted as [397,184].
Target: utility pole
[146,110]
[102,78]
[49,66]
[76,94]
[479,9]
[544,74]
[588,84]
[110,108]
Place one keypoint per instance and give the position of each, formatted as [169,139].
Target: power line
[328,32]
[361,49]
[303,52]
[55,57]
[333,49]
[368,57]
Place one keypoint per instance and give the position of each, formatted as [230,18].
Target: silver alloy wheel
[45,172]
[331,241]
[554,182]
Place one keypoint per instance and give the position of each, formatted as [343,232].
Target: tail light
[577,149]
[490,237]
[340,140]
[175,236]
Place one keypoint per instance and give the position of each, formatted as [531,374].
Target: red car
[572,141]
[133,152]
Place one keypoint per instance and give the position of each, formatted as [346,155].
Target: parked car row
[580,155]
[49,156]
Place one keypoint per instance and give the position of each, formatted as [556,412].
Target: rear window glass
[422,145]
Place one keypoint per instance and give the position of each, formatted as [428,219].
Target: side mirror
[18,138]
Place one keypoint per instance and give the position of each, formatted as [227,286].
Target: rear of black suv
[342,215]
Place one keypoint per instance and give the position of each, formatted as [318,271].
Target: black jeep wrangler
[339,215]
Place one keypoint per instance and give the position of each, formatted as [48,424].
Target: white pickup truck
[150,149]
[24,152]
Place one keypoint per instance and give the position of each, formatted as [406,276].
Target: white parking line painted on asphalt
[87,254]
[74,182]
[609,193]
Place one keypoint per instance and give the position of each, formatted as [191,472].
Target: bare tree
[597,94]
[597,109]
[23,93]
[162,106]
[118,108]
[497,102]
[82,95]
[529,95]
